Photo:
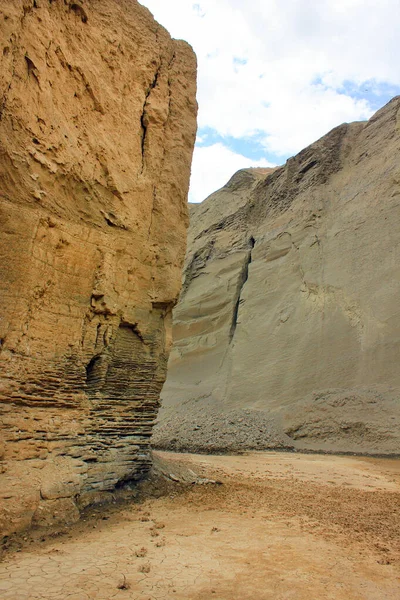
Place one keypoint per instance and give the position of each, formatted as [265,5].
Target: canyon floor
[255,526]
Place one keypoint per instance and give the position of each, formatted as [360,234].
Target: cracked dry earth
[280,526]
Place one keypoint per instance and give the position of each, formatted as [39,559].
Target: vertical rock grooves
[243,277]
[97,132]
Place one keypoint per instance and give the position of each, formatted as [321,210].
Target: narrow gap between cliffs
[244,275]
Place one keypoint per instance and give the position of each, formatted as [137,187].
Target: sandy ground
[280,526]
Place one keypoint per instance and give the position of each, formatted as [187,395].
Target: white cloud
[281,69]
[213,166]
[285,137]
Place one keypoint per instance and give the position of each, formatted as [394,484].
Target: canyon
[281,341]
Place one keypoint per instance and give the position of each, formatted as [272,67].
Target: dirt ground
[272,526]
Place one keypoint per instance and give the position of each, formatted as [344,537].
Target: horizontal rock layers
[97,127]
[290,303]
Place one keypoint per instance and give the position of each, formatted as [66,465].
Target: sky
[276,75]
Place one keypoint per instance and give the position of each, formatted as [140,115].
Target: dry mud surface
[279,526]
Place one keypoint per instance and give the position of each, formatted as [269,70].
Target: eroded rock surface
[97,126]
[290,303]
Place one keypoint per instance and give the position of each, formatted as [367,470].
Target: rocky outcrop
[290,307]
[97,126]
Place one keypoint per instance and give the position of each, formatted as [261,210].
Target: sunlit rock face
[290,303]
[97,127]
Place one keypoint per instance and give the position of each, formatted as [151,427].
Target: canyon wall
[97,127]
[287,333]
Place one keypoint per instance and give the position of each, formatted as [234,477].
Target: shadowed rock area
[287,333]
[97,127]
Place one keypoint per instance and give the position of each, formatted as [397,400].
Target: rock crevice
[243,277]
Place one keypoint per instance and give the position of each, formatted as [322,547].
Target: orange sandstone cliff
[97,127]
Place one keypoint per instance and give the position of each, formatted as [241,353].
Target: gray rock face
[290,302]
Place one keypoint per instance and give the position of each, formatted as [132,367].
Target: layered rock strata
[97,127]
[290,303]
